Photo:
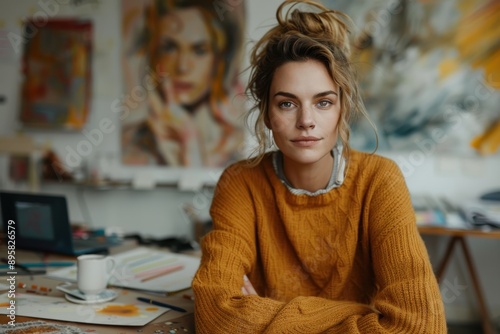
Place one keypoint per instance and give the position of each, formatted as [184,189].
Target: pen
[154,302]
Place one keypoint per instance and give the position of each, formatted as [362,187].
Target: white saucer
[105,296]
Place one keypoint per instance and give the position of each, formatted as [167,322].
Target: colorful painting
[430,73]
[57,73]
[183,104]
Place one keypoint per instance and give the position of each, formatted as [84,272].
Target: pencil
[157,303]
[167,270]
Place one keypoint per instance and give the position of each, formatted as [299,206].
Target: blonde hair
[301,35]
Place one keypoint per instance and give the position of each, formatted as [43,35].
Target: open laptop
[42,224]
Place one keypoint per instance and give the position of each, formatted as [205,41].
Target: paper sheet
[111,313]
[145,269]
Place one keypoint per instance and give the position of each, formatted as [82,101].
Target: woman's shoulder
[374,173]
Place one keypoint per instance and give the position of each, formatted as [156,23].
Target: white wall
[158,212]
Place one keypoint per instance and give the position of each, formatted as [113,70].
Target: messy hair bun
[327,25]
[317,33]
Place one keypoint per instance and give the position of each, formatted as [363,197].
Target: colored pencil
[166,271]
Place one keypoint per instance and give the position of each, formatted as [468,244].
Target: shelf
[117,185]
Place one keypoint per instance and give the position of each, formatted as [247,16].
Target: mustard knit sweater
[347,261]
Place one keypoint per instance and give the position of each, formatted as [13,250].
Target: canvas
[429,72]
[57,74]
[182,104]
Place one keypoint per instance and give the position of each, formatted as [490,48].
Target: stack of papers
[484,214]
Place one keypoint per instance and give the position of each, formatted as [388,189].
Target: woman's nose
[182,63]
[305,118]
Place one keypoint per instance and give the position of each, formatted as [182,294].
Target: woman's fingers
[156,105]
[175,112]
[247,287]
[168,91]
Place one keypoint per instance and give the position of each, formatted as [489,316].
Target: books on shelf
[482,214]
[439,211]
[428,211]
[145,269]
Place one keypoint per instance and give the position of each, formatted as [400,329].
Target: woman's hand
[171,125]
[247,287]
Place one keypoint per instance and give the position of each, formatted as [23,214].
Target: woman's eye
[286,105]
[200,50]
[324,104]
[168,47]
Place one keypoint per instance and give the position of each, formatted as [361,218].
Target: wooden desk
[458,237]
[183,322]
[171,320]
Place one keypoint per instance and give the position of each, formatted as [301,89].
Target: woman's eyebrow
[285,94]
[290,95]
[326,93]
[200,44]
[168,40]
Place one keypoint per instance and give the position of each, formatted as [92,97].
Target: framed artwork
[182,104]
[429,73]
[57,74]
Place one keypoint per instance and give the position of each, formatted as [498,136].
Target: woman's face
[186,54]
[304,111]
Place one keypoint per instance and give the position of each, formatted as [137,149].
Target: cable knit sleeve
[229,252]
[407,299]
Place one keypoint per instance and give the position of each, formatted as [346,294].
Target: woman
[313,237]
[192,119]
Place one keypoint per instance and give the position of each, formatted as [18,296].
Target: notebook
[41,222]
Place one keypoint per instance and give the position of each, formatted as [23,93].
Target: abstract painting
[429,73]
[57,73]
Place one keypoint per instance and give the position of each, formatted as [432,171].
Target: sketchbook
[145,269]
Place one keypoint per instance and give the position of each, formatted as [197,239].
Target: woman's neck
[310,177]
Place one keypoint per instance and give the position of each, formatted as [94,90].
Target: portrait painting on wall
[57,68]
[183,100]
[429,73]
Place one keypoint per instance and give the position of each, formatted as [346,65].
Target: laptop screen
[41,221]
[42,224]
[33,220]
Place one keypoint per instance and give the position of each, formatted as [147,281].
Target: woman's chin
[185,99]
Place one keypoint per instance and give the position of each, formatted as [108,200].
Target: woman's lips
[305,141]
[182,86]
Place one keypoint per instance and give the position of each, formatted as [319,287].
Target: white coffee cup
[93,273]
